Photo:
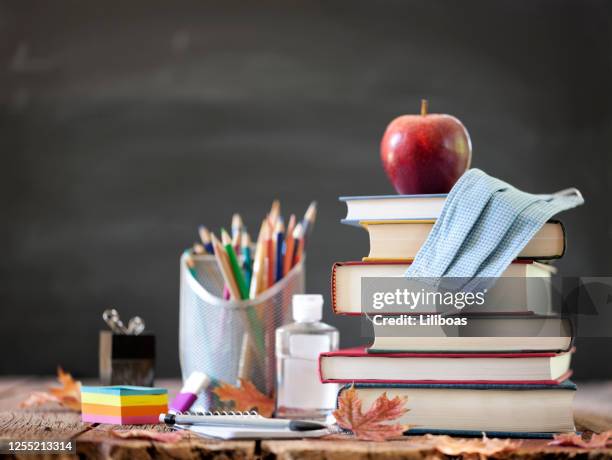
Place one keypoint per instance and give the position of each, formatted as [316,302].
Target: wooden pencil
[198,249]
[270,257]
[258,261]
[205,237]
[289,246]
[274,214]
[256,327]
[236,231]
[191,265]
[298,235]
[235,266]
[279,238]
[247,260]
[224,268]
[310,216]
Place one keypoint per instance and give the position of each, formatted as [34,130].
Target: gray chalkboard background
[124,125]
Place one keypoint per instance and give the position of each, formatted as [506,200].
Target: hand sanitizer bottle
[300,392]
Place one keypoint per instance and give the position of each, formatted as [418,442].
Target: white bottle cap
[307,307]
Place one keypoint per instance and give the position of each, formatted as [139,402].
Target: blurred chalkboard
[124,125]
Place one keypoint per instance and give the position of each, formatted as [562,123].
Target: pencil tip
[204,234]
[190,262]
[280,225]
[311,212]
[225,238]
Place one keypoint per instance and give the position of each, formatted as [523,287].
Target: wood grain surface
[592,412]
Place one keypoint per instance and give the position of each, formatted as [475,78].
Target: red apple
[425,153]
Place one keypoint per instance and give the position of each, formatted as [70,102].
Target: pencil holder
[229,339]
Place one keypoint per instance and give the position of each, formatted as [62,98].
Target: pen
[229,421]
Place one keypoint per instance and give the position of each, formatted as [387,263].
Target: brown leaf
[369,426]
[246,397]
[595,441]
[159,436]
[471,448]
[68,395]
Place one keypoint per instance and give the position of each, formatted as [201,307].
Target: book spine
[333,287]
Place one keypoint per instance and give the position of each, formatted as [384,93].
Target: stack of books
[505,382]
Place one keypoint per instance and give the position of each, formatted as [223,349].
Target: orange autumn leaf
[68,395]
[595,441]
[246,397]
[471,448]
[369,426]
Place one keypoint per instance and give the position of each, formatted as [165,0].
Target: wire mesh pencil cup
[230,339]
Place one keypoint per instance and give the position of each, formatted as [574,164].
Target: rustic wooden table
[593,411]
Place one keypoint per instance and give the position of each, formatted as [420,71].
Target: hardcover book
[357,365]
[401,240]
[532,296]
[392,207]
[469,410]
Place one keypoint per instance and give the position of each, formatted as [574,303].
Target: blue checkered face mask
[484,225]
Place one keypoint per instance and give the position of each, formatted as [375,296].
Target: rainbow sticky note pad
[123,405]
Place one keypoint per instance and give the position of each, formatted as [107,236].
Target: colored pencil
[225,268]
[244,291]
[270,256]
[289,246]
[279,238]
[191,265]
[247,261]
[245,364]
[198,249]
[274,214]
[258,261]
[233,260]
[310,216]
[236,231]
[205,237]
[298,235]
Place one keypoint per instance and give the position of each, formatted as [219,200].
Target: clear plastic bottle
[300,393]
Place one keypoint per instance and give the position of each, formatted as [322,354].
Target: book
[493,333]
[534,297]
[498,410]
[392,207]
[401,240]
[357,365]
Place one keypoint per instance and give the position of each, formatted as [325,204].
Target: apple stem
[424,105]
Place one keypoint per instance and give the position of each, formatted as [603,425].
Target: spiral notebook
[243,426]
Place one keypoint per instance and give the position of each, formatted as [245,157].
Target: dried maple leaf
[159,436]
[595,441]
[369,426]
[246,397]
[68,395]
[471,448]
